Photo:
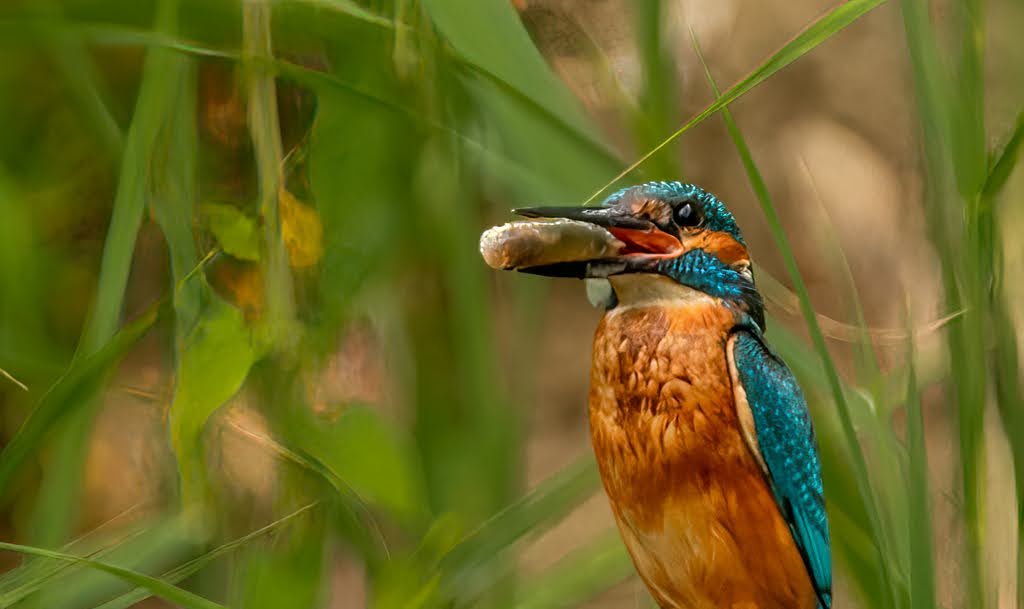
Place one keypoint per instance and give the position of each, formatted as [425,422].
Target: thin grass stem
[855,451]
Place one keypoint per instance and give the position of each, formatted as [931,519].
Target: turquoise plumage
[787,443]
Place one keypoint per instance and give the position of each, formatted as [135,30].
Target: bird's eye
[686,216]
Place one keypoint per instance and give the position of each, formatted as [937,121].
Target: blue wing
[790,453]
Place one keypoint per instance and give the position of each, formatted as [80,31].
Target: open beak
[644,241]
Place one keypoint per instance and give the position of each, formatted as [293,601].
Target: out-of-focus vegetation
[263,365]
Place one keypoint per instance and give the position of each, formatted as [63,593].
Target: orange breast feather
[690,499]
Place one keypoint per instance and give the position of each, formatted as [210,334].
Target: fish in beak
[631,243]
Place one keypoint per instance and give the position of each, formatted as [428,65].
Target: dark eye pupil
[686,215]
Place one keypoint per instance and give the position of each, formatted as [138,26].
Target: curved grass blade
[518,96]
[504,53]
[816,33]
[59,497]
[550,116]
[580,576]
[530,515]
[835,383]
[868,366]
[355,509]
[350,8]
[72,391]
[126,540]
[783,300]
[164,590]
[193,566]
[1004,162]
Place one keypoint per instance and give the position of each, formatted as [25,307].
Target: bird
[701,432]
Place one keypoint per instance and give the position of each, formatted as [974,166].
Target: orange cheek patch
[723,246]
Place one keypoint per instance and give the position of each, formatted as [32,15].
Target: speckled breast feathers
[688,491]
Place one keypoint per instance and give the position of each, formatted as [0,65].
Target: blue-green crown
[716,216]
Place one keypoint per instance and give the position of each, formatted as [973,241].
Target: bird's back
[689,496]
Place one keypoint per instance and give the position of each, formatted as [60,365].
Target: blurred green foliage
[233,190]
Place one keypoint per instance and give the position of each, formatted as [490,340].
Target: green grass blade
[58,499]
[933,100]
[885,447]
[1004,162]
[26,579]
[390,481]
[860,468]
[503,51]
[857,550]
[195,565]
[579,576]
[961,230]
[876,423]
[174,188]
[164,590]
[530,515]
[147,547]
[217,346]
[156,94]
[265,131]
[970,146]
[868,368]
[113,35]
[922,561]
[553,117]
[518,97]
[75,65]
[350,8]
[1010,400]
[128,540]
[816,33]
[353,509]
[659,97]
[71,392]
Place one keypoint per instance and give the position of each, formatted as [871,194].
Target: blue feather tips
[786,440]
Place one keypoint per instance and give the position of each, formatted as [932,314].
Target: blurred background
[250,355]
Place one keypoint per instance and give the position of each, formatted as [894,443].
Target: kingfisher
[701,432]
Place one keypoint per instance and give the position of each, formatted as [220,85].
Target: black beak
[607,217]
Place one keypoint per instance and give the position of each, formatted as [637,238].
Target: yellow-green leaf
[301,229]
[236,232]
[215,360]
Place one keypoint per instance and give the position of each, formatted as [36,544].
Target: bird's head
[670,230]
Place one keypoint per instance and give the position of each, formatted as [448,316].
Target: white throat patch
[649,289]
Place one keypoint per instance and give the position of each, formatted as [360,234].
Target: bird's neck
[706,273]
[651,290]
